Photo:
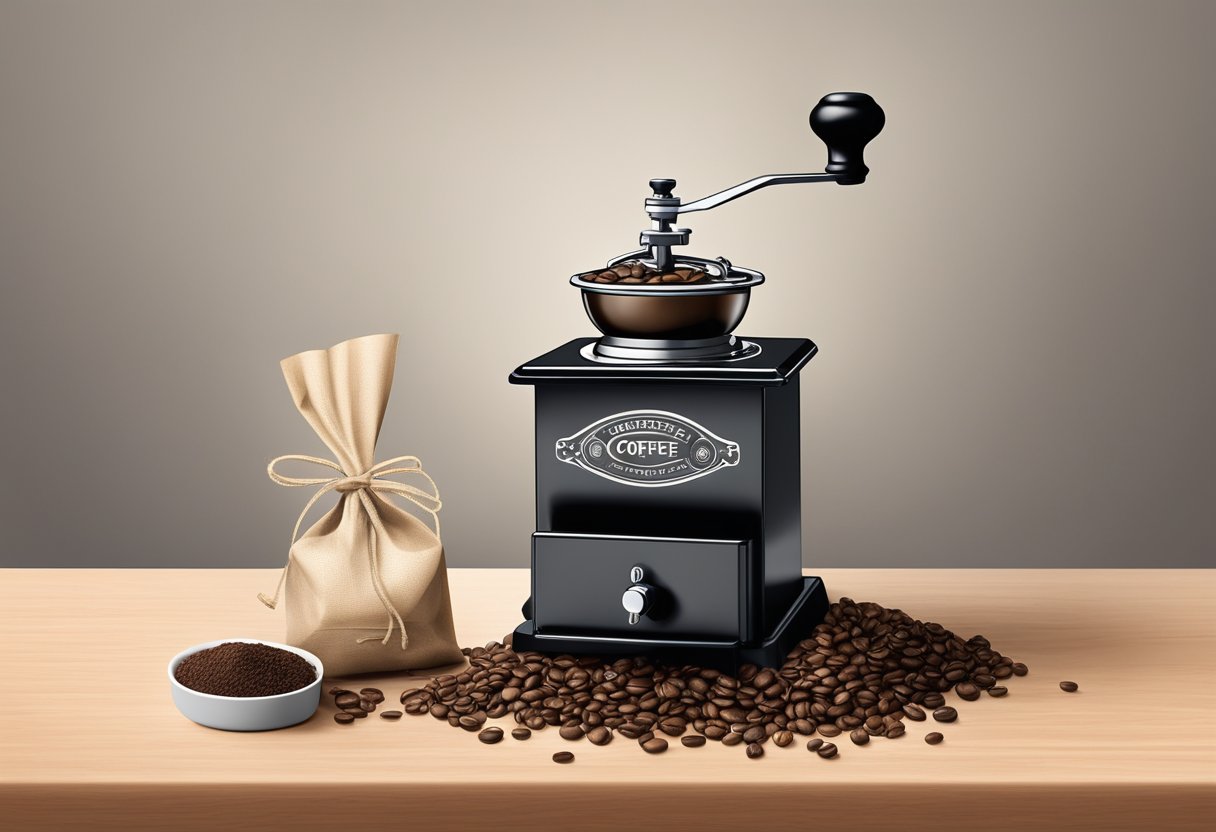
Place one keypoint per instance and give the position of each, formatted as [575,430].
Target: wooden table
[89,738]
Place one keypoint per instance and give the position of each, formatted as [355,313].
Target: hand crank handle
[845,121]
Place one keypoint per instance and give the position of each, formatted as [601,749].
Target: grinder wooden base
[804,614]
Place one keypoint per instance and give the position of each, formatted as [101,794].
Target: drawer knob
[637,601]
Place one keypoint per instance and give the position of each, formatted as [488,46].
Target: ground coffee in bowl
[238,668]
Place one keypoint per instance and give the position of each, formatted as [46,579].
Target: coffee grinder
[668,506]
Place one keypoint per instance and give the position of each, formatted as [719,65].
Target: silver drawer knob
[637,600]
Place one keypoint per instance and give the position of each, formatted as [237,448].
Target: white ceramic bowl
[246,713]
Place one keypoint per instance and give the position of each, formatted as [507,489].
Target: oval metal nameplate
[648,448]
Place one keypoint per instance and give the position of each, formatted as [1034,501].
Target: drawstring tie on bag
[373,479]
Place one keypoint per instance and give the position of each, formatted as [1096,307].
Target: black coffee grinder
[668,514]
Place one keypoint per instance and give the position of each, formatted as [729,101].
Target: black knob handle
[847,122]
[662,187]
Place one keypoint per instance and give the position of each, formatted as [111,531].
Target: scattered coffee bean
[655,745]
[895,731]
[599,735]
[390,714]
[933,700]
[829,729]
[914,712]
[755,734]
[692,741]
[781,739]
[521,733]
[372,695]
[1020,669]
[945,714]
[673,726]
[491,735]
[998,690]
[814,745]
[859,736]
[334,691]
[343,718]
[755,750]
[732,739]
[366,705]
[968,691]
[358,713]
[347,699]
[1069,687]
[571,732]
[934,738]
[827,751]
[563,757]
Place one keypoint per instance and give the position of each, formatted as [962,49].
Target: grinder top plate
[775,362]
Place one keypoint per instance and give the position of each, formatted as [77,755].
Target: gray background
[1015,313]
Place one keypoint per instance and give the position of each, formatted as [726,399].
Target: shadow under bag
[366,586]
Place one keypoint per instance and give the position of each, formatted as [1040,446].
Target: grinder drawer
[690,588]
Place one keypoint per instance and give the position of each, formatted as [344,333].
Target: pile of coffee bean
[634,272]
[238,668]
[352,706]
[864,670]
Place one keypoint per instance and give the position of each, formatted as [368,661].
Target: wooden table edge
[607,806]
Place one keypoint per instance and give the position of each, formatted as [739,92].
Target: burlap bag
[366,586]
